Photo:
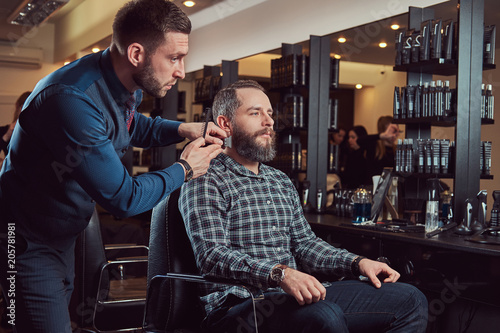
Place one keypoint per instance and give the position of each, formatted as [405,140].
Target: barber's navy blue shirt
[65,154]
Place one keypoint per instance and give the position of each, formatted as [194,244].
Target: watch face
[277,274]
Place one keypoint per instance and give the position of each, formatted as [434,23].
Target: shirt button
[278,249]
[274,227]
[268,202]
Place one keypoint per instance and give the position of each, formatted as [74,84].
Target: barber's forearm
[155,132]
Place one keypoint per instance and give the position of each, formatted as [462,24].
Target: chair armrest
[121,262]
[131,258]
[203,279]
[109,247]
[105,266]
[152,317]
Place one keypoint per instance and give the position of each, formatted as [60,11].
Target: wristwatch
[277,275]
[189,170]
[355,265]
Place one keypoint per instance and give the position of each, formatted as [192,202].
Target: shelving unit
[468,70]
[316,95]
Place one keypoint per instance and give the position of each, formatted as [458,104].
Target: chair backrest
[176,304]
[89,258]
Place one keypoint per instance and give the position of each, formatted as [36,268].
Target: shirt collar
[236,167]
[117,89]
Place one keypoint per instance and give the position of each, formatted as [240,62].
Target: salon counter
[461,279]
[445,240]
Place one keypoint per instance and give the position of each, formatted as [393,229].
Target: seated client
[245,222]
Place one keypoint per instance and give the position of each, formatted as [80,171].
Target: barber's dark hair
[146,22]
[226,100]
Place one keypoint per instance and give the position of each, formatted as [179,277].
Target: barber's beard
[246,145]
[147,81]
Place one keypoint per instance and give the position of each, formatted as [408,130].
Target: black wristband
[189,172]
[355,265]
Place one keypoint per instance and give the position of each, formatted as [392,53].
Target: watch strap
[355,265]
[189,170]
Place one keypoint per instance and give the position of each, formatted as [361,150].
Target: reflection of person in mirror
[6,131]
[380,148]
[354,169]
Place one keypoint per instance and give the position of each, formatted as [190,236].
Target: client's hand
[304,287]
[374,270]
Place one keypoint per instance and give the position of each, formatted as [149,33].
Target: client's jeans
[350,306]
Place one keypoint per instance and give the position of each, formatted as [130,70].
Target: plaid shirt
[241,225]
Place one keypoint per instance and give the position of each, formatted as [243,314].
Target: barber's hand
[376,270]
[192,131]
[304,287]
[199,157]
[391,133]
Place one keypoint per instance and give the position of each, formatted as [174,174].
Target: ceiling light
[342,40]
[395,26]
[96,49]
[336,56]
[34,12]
[189,3]
[359,86]
[382,45]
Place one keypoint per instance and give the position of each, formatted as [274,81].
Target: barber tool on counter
[432,205]
[495,210]
[306,206]
[480,222]
[464,227]
[319,201]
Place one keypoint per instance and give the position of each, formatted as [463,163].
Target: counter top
[445,240]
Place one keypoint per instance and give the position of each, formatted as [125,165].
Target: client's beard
[246,145]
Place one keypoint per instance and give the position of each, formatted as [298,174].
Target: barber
[65,156]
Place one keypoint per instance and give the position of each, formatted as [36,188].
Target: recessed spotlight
[336,56]
[341,40]
[395,26]
[359,86]
[189,3]
[382,45]
[66,63]
[96,49]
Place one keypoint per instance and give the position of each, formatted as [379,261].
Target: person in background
[354,170]
[64,156]
[381,147]
[6,131]
[338,136]
[245,222]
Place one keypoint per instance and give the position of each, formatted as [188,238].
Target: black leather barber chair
[173,301]
[106,297]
